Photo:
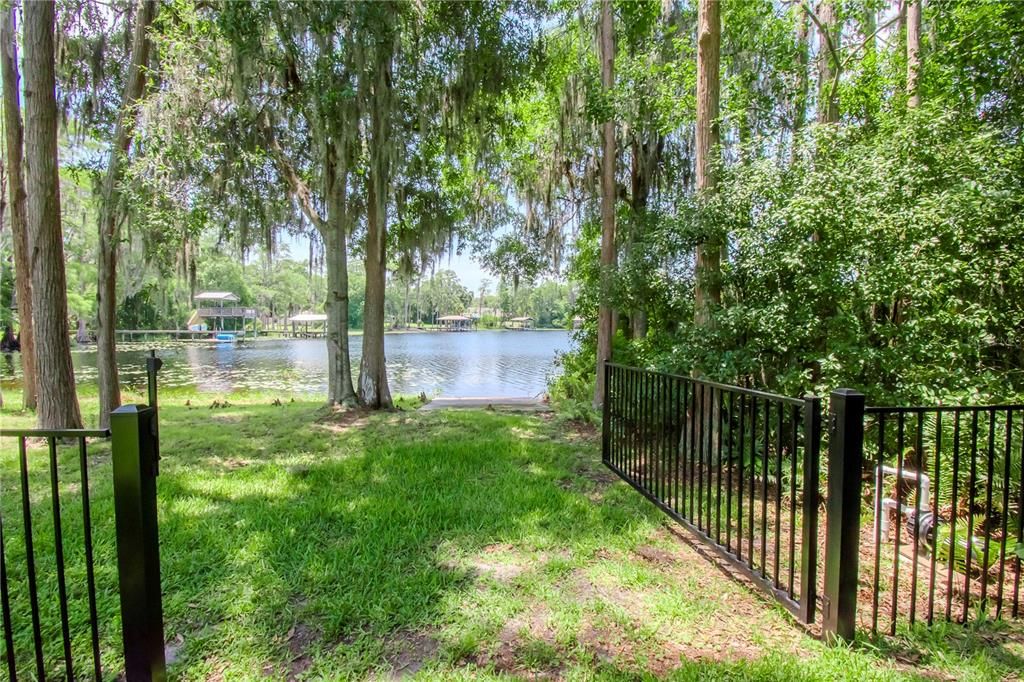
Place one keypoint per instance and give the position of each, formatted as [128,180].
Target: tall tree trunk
[707,275]
[16,184]
[913,53]
[828,63]
[373,376]
[800,99]
[644,159]
[58,400]
[111,212]
[340,390]
[605,314]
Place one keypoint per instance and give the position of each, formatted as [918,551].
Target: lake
[480,363]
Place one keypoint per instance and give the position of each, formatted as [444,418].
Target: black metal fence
[738,467]
[49,577]
[945,537]
[924,505]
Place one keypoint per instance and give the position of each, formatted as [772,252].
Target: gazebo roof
[216,296]
[521,319]
[308,317]
[453,318]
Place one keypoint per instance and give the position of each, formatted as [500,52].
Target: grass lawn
[303,544]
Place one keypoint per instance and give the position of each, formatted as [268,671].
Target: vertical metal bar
[900,432]
[605,415]
[58,545]
[953,513]
[1020,525]
[971,485]
[655,420]
[729,464]
[684,446]
[989,476]
[1007,454]
[641,413]
[627,408]
[704,459]
[919,448]
[658,404]
[5,608]
[611,396]
[691,419]
[935,518]
[739,477]
[620,418]
[616,416]
[138,550]
[153,365]
[764,487]
[633,430]
[778,494]
[666,438]
[707,452]
[715,462]
[90,578]
[637,427]
[652,450]
[33,595]
[794,418]
[879,486]
[677,407]
[842,539]
[718,469]
[752,499]
[698,452]
[638,419]
[809,546]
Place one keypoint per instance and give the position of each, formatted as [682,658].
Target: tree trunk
[707,274]
[828,64]
[419,301]
[373,376]
[340,390]
[58,400]
[16,183]
[405,307]
[111,212]
[913,53]
[605,314]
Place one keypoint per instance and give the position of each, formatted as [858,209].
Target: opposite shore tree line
[792,195]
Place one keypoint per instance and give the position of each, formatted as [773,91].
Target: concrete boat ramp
[504,404]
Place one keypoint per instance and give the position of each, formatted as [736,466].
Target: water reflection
[481,363]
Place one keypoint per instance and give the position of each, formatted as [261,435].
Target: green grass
[298,543]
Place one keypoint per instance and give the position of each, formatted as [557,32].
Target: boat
[225,337]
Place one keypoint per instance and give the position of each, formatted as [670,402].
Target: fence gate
[48,568]
[737,467]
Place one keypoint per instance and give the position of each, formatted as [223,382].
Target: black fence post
[153,365]
[606,414]
[134,453]
[842,537]
[809,510]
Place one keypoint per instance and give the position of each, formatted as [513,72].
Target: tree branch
[300,190]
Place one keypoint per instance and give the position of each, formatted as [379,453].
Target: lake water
[481,363]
